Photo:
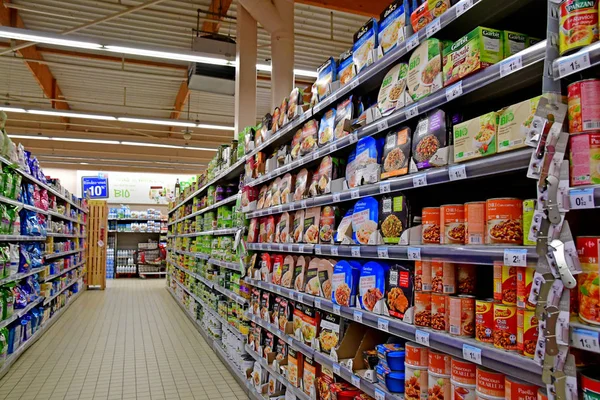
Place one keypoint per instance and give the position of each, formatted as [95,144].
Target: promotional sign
[96,186]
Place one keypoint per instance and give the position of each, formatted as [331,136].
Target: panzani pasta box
[475,138]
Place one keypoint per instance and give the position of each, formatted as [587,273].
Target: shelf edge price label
[515,257]
[358,316]
[382,126]
[337,309]
[318,249]
[412,42]
[316,155]
[433,27]
[472,353]
[355,251]
[420,180]
[300,297]
[290,340]
[414,253]
[457,172]
[411,112]
[334,251]
[289,395]
[385,187]
[383,324]
[356,381]
[511,65]
[336,197]
[382,252]
[355,194]
[581,198]
[585,339]
[318,302]
[355,82]
[336,369]
[454,91]
[303,204]
[379,394]
[422,337]
[463,6]
[573,64]
[300,248]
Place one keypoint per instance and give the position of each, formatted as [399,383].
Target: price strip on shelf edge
[581,198]
[382,252]
[420,180]
[317,302]
[383,324]
[354,83]
[336,369]
[515,257]
[412,111]
[585,339]
[290,340]
[318,249]
[511,65]
[412,42]
[355,251]
[472,353]
[379,394]
[573,64]
[463,6]
[300,297]
[355,194]
[414,253]
[356,381]
[337,309]
[289,395]
[454,91]
[382,125]
[334,251]
[433,27]
[384,187]
[358,315]
[457,172]
[336,197]
[422,337]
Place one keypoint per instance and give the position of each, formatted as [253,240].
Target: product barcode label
[472,353]
[591,125]
[355,251]
[573,64]
[475,239]
[454,330]
[422,337]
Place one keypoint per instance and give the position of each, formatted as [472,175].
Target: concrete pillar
[245,72]
[282,53]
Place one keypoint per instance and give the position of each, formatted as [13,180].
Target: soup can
[461,391]
[462,315]
[438,386]
[439,363]
[578,25]
[481,396]
[515,389]
[423,276]
[463,372]
[431,225]
[542,394]
[415,382]
[584,164]
[452,223]
[590,383]
[443,277]
[423,309]
[416,355]
[583,100]
[505,327]
[524,285]
[439,311]
[484,320]
[505,284]
[527,332]
[504,221]
[466,280]
[489,382]
[588,248]
[528,210]
[475,222]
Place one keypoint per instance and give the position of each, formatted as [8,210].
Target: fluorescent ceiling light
[100,141]
[29,137]
[84,163]
[144,144]
[157,121]
[45,37]
[263,67]
[305,72]
[171,55]
[198,148]
[59,139]
[73,115]
[13,109]
[216,127]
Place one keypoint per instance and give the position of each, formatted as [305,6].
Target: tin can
[578,26]
[463,372]
[416,355]
[461,391]
[527,332]
[438,386]
[484,320]
[443,277]
[422,309]
[524,285]
[584,167]
[466,280]
[431,225]
[439,312]
[423,276]
[588,248]
[439,363]
[505,327]
[583,101]
[475,222]
[489,382]
[505,284]
[452,223]
[542,394]
[415,382]
[590,383]
[462,315]
[481,396]
[515,389]
[528,210]
[504,221]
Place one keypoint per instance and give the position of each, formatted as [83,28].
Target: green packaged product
[8,301]
[513,43]
[3,345]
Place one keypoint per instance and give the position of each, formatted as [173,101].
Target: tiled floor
[131,341]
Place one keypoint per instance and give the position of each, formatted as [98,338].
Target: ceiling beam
[180,99]
[371,8]
[218,9]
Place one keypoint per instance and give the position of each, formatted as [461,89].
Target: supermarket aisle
[131,341]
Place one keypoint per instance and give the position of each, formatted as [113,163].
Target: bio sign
[96,186]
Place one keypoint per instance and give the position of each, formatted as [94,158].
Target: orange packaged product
[524,284]
[452,224]
[439,312]
[431,225]
[588,248]
[505,284]
[484,320]
[504,219]
[438,386]
[422,309]
[443,277]
[515,389]
[462,315]
[427,12]
[475,232]
[415,383]
[489,382]
[527,332]
[439,363]
[463,372]
[416,355]
[423,276]
[505,327]
[466,280]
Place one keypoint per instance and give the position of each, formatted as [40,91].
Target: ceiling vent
[213,78]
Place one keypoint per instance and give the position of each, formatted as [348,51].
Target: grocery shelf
[237,374]
[584,336]
[587,57]
[21,238]
[59,215]
[497,164]
[583,197]
[49,299]
[202,279]
[289,339]
[64,235]
[18,277]
[216,232]
[227,264]
[233,296]
[20,204]
[290,248]
[19,313]
[137,219]
[231,199]
[286,292]
[118,231]
[62,254]
[201,256]
[50,277]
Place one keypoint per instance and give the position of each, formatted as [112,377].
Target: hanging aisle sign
[96,186]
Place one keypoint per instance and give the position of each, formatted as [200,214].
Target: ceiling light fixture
[216,127]
[165,146]
[29,137]
[70,114]
[171,55]
[13,109]
[101,141]
[297,72]
[157,121]
[46,37]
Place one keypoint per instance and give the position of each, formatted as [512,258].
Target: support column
[245,72]
[282,54]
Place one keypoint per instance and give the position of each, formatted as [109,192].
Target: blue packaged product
[35,320]
[372,285]
[343,116]
[25,328]
[24,260]
[14,331]
[326,127]
[327,73]
[365,40]
[394,381]
[346,67]
[381,371]
[392,21]
[363,162]
[365,219]
[20,298]
[344,282]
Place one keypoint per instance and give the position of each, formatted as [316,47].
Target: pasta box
[475,138]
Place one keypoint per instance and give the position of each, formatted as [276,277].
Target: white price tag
[278,210]
[289,248]
[412,42]
[316,155]
[355,194]
[336,197]
[353,138]
[432,27]
[333,147]
[317,302]
[420,180]
[454,91]
[382,126]
[300,248]
[422,337]
[411,112]
[336,368]
[515,257]
[581,198]
[585,339]
[463,6]
[382,252]
[337,309]
[289,395]
[300,297]
[303,204]
[356,381]
[414,253]
[573,64]
[290,340]
[278,290]
[472,353]
[379,394]
[457,172]
[355,251]
[383,324]
[354,83]
[334,251]
[358,316]
[384,187]
[317,249]
[511,65]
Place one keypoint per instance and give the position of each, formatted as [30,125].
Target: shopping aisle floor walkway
[131,341]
